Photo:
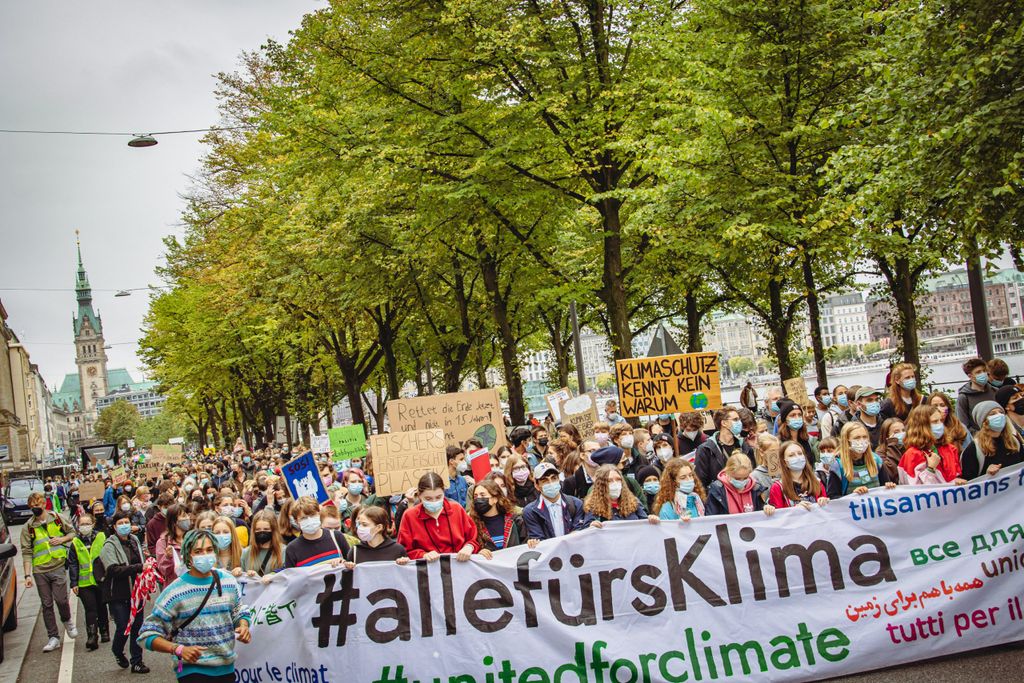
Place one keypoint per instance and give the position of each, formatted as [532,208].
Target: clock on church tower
[91,372]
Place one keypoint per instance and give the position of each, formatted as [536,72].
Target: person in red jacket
[436,525]
[925,430]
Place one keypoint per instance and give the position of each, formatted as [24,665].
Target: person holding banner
[371,526]
[523,491]
[925,432]
[498,525]
[860,469]
[437,525]
[554,513]
[681,495]
[198,617]
[798,485]
[609,500]
[735,491]
[315,545]
[995,445]
[265,552]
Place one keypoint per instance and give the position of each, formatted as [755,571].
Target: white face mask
[126,507]
[690,435]
[615,490]
[859,445]
[627,441]
[664,454]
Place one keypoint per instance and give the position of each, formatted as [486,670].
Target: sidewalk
[16,642]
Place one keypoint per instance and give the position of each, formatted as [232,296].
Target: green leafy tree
[118,422]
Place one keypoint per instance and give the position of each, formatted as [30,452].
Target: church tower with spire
[89,354]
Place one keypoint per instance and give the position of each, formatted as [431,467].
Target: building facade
[14,440]
[142,395]
[844,320]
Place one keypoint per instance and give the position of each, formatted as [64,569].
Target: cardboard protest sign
[148,469]
[165,454]
[90,490]
[303,478]
[118,475]
[668,384]
[320,443]
[401,458]
[347,442]
[580,412]
[131,443]
[555,399]
[461,415]
[796,390]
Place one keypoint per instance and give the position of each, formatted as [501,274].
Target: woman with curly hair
[610,500]
[498,523]
[564,452]
[954,431]
[902,395]
[681,495]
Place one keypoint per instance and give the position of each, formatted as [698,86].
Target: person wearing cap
[973,392]
[663,450]
[995,444]
[870,401]
[554,513]
[1011,398]
[713,453]
[649,479]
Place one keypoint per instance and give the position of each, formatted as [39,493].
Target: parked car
[15,501]
[8,585]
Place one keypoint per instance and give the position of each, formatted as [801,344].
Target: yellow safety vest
[42,551]
[86,557]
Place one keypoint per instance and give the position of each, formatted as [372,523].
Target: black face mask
[542,442]
[263,537]
[37,511]
[482,506]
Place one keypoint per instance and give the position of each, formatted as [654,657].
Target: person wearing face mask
[903,394]
[681,495]
[649,478]
[973,392]
[735,491]
[168,546]
[122,559]
[770,411]
[822,409]
[663,451]
[540,440]
[766,452]
[611,413]
[229,549]
[457,468]
[995,444]
[869,400]
[520,439]
[828,467]
[621,435]
[554,513]
[371,525]
[198,617]
[798,485]
[355,494]
[793,427]
[860,469]
[124,504]
[890,447]
[437,525]
[43,541]
[925,431]
[498,524]
[601,433]
[713,453]
[845,400]
[231,507]
[611,500]
[517,470]
[316,545]
[579,483]
[81,561]
[1011,399]
[157,524]
[691,433]
[265,552]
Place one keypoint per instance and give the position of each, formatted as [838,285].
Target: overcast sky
[136,66]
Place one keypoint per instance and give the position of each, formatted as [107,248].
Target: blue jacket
[457,489]
[538,519]
[109,502]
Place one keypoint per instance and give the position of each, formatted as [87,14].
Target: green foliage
[742,365]
[118,422]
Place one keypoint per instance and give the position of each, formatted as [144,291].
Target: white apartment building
[844,320]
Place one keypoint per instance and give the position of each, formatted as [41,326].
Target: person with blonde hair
[860,469]
[681,495]
[229,548]
[265,552]
[766,453]
[610,500]
[903,394]
[994,446]
[735,491]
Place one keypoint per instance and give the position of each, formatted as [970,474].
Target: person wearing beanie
[649,479]
[616,457]
[995,445]
[1011,399]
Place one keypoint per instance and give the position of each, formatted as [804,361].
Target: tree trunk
[779,327]
[814,320]
[1017,256]
[481,367]
[613,290]
[287,425]
[387,334]
[509,345]
[694,342]
[906,309]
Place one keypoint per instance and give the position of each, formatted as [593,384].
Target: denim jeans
[121,610]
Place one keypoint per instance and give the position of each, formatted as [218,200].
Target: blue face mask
[356,488]
[774,407]
[736,427]
[826,400]
[900,436]
[795,423]
[996,383]
[873,408]
[247,460]
[551,490]
[909,384]
[652,487]
[433,505]
[204,563]
[843,401]
[123,529]
[738,484]
[938,430]
[222,540]
[981,378]
[686,486]
[796,464]
[828,459]
[997,422]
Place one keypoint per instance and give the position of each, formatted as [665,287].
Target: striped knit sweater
[213,629]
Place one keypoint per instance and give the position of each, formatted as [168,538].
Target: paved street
[27,663]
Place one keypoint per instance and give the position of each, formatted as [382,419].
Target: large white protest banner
[868,581]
